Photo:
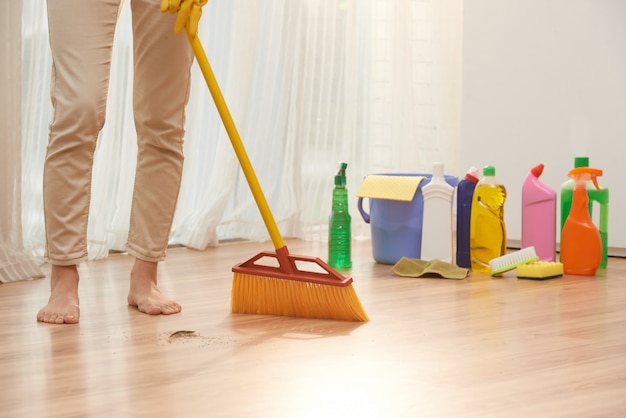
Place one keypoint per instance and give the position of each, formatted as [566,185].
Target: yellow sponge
[540,270]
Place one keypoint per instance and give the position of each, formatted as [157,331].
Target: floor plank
[478,347]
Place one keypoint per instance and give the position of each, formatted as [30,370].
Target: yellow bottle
[487,228]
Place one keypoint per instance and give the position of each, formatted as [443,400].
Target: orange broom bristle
[254,294]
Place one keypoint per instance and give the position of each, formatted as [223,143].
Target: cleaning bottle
[339,228]
[487,228]
[539,215]
[581,245]
[464,195]
[600,196]
[437,220]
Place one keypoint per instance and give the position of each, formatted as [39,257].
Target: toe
[70,319]
[153,310]
[172,309]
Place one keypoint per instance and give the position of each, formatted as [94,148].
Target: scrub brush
[513,260]
[540,270]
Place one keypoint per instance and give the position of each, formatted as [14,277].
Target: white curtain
[10,225]
[375,83]
[15,264]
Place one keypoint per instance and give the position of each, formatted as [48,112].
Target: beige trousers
[81,39]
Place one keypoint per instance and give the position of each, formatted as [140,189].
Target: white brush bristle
[510,261]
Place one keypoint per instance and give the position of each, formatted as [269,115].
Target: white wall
[543,82]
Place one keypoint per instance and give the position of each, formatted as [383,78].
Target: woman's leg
[81,38]
[161,91]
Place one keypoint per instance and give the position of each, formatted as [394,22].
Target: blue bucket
[396,226]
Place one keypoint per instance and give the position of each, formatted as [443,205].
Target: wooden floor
[479,347]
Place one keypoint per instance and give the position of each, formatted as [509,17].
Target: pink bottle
[539,215]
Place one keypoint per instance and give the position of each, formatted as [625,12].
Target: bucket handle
[364,215]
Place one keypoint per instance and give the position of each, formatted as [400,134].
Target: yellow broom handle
[235,139]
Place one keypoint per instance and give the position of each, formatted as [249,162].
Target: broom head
[282,287]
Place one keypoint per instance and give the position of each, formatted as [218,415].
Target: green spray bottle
[339,224]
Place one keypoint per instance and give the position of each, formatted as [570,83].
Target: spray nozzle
[583,174]
[340,178]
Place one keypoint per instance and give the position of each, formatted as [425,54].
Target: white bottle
[437,220]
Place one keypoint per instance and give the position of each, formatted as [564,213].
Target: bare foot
[62,307]
[144,293]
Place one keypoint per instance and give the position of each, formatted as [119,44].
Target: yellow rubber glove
[189,13]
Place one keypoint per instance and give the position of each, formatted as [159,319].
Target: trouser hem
[145,255]
[66,260]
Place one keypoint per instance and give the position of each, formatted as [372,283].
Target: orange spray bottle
[581,245]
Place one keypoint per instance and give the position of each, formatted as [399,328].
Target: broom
[274,283]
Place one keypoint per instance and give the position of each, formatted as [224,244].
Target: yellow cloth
[414,267]
[389,187]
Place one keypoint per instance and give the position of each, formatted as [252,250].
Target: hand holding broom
[260,288]
[189,14]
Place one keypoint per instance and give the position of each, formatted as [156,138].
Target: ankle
[144,271]
[64,280]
